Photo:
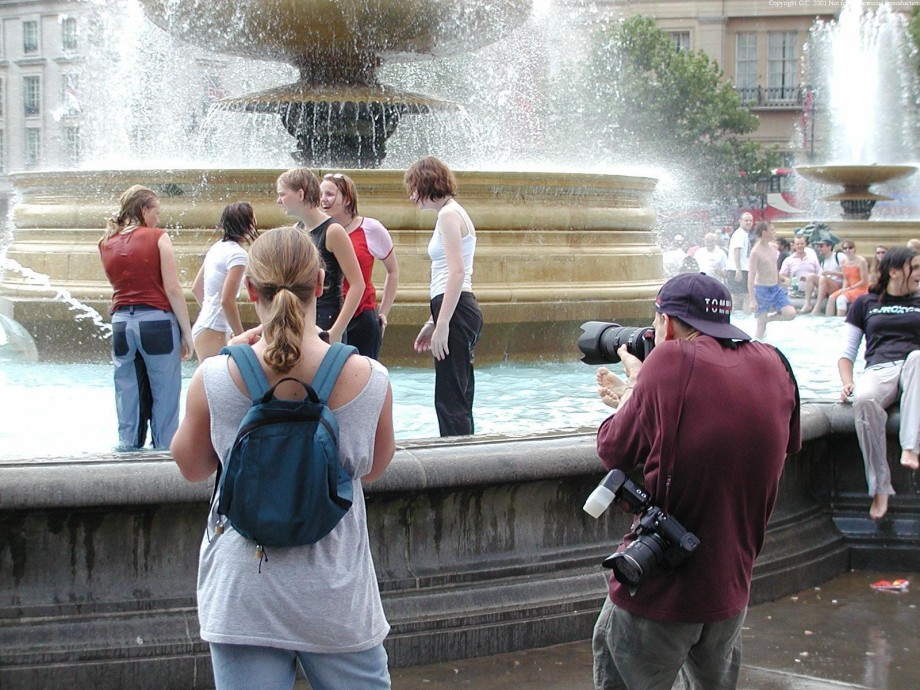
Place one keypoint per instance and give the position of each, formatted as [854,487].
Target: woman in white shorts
[218,282]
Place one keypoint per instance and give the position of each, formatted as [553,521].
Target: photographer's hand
[631,364]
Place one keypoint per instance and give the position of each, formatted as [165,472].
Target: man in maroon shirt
[709,416]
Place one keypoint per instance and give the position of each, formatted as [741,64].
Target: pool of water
[51,410]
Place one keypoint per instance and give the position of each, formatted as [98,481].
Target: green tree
[676,109]
[913,26]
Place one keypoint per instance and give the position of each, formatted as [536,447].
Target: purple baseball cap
[700,301]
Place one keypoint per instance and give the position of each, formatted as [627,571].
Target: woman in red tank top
[151,332]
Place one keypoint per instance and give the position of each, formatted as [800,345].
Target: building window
[72,144]
[69,94]
[33,146]
[2,98]
[2,151]
[746,66]
[32,95]
[782,66]
[681,40]
[30,37]
[69,33]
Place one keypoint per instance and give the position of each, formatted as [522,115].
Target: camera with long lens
[600,340]
[661,540]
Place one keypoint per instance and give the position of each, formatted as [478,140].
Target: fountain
[867,131]
[856,199]
[338,112]
[455,522]
[479,543]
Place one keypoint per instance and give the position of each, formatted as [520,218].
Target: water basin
[55,410]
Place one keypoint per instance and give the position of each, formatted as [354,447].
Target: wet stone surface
[842,634]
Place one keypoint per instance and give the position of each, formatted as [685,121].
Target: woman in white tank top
[456,320]
[217,284]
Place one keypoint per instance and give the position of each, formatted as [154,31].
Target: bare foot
[879,507]
[805,308]
[608,397]
[816,312]
[607,378]
[910,459]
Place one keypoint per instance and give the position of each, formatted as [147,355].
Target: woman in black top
[298,193]
[888,316]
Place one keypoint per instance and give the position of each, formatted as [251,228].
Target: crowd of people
[310,284]
[823,280]
[151,320]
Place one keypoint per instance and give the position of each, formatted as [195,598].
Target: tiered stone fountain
[480,544]
[554,249]
[866,134]
[856,199]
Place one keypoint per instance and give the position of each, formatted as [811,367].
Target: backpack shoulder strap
[250,369]
[329,369]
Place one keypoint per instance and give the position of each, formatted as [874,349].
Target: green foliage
[676,108]
[913,26]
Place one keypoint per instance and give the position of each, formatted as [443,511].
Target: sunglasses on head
[333,176]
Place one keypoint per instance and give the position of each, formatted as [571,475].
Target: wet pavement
[842,634]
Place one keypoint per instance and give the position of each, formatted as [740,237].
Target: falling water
[862,68]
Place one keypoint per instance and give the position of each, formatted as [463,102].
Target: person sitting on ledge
[888,316]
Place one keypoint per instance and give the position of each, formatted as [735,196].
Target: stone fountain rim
[418,465]
[855,174]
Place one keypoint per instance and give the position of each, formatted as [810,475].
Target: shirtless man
[769,301]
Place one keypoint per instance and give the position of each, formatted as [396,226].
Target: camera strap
[687,357]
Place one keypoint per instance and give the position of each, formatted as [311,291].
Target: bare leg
[761,326]
[879,507]
[910,459]
[787,313]
[208,343]
[811,282]
[822,293]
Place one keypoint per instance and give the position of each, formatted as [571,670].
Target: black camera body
[661,540]
[600,340]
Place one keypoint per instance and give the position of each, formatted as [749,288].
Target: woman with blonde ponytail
[318,604]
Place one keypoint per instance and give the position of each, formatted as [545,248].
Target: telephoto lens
[599,342]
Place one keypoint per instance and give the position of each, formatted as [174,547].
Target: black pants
[453,375]
[364,333]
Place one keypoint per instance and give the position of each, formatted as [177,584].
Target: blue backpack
[282,483]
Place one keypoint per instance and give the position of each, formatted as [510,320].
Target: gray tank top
[320,598]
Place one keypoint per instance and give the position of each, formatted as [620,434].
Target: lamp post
[763,186]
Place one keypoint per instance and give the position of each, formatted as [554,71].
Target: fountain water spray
[861,68]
